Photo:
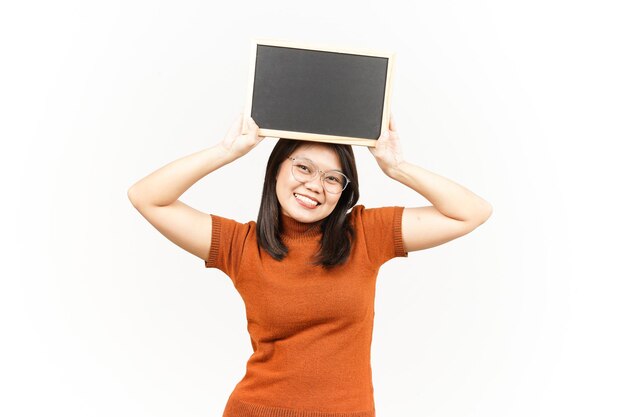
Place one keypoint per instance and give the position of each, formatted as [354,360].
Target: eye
[303,167]
[336,178]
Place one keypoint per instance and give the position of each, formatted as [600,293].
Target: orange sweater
[311,331]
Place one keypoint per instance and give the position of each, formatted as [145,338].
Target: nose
[315,184]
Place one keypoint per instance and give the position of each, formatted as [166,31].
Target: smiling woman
[307,200]
[307,268]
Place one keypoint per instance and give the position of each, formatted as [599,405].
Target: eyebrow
[309,159]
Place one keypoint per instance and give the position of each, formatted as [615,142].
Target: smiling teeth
[305,199]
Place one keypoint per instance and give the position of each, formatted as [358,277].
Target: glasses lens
[303,170]
[335,182]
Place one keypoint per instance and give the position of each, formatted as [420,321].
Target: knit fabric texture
[310,329]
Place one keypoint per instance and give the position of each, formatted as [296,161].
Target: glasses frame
[317,173]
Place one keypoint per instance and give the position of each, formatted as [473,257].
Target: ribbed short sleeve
[382,232]
[228,239]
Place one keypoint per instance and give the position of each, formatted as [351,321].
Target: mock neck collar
[296,230]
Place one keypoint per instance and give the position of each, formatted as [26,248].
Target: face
[287,186]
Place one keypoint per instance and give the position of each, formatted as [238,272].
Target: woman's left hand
[387,150]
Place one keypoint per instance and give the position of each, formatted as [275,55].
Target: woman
[306,269]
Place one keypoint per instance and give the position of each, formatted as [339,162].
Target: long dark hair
[337,232]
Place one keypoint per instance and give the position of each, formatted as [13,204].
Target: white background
[521,102]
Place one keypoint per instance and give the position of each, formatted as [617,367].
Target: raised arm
[156,195]
[455,212]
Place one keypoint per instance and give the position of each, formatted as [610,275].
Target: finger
[392,122]
[252,125]
[235,128]
[253,129]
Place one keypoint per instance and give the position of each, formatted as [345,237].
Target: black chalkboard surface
[319,93]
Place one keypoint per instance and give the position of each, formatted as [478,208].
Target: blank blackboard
[319,93]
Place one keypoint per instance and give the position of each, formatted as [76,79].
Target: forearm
[167,184]
[451,199]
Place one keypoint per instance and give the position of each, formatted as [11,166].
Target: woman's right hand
[237,144]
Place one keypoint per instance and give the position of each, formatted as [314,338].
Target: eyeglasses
[304,170]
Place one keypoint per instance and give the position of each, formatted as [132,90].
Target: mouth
[306,201]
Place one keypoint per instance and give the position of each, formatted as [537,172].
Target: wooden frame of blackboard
[379,116]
